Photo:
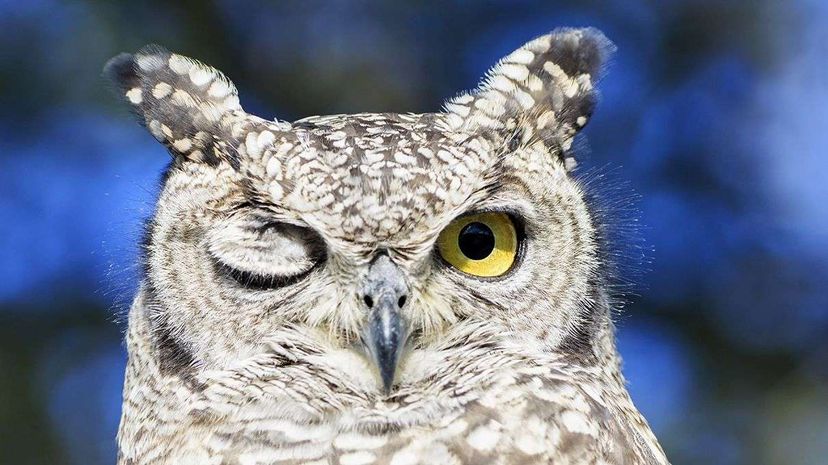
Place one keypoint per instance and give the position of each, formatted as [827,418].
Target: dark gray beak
[385,294]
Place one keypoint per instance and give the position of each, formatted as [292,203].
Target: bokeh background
[714,122]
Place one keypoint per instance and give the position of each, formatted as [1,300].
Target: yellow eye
[483,244]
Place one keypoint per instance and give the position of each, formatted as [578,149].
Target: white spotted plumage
[244,338]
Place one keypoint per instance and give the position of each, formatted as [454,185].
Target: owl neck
[593,344]
[604,344]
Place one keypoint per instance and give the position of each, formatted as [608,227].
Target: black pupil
[476,241]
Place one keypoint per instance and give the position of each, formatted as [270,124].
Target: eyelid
[508,201]
[261,282]
[518,215]
[257,249]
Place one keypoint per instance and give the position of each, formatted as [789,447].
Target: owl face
[381,240]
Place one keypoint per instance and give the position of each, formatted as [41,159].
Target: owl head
[376,244]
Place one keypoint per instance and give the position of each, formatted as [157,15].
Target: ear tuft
[185,104]
[541,93]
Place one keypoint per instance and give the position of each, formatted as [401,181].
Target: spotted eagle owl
[376,288]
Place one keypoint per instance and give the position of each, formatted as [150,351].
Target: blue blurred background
[714,112]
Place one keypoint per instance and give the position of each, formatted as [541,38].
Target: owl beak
[384,294]
[384,338]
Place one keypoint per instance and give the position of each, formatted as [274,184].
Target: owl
[376,288]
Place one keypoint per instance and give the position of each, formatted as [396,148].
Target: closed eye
[260,282]
[264,255]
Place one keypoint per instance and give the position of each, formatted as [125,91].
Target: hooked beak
[384,338]
[385,293]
